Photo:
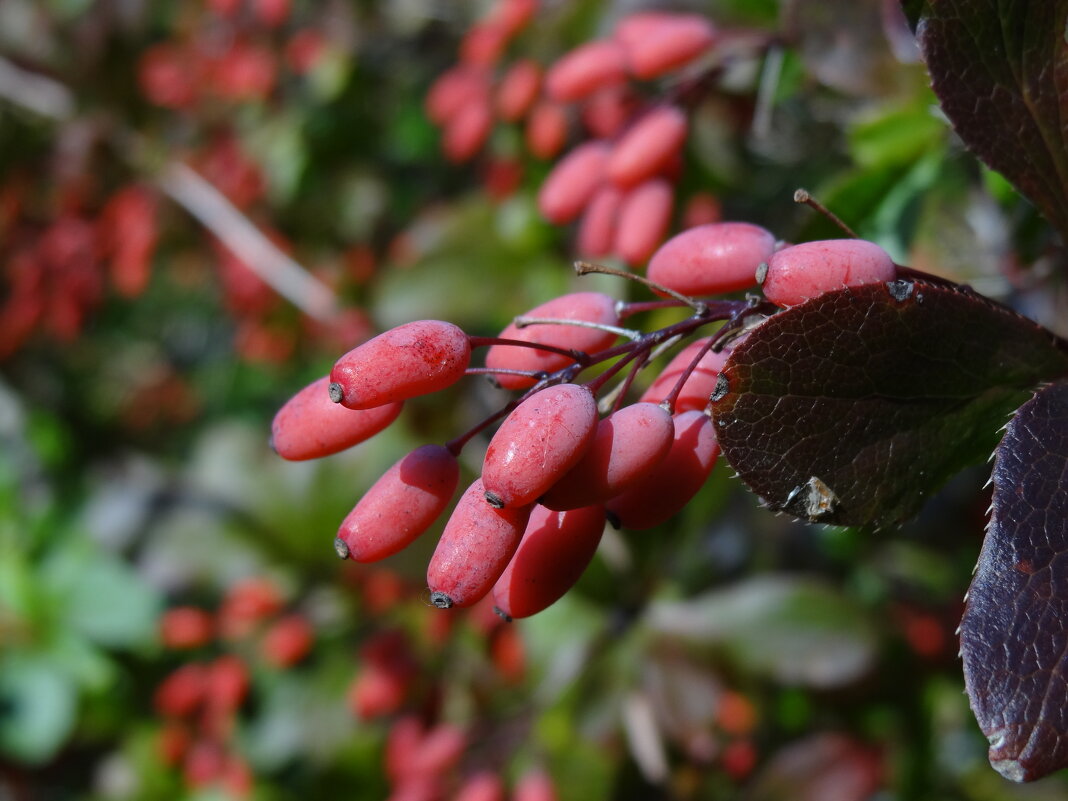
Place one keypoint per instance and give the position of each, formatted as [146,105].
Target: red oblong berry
[453,90]
[485,785]
[535,785]
[474,549]
[467,130]
[412,359]
[644,216]
[518,90]
[546,129]
[572,182]
[591,307]
[584,70]
[310,425]
[657,43]
[597,228]
[698,388]
[647,146]
[712,259]
[538,442]
[401,505]
[673,484]
[555,550]
[804,271]
[626,447]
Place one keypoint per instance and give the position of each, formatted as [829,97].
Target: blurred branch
[35,92]
[201,199]
[49,98]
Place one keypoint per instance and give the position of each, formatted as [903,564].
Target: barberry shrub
[849,394]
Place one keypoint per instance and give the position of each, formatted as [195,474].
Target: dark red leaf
[1000,70]
[1014,636]
[853,407]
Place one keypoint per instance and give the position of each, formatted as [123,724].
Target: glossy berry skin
[800,272]
[401,505]
[474,549]
[698,387]
[647,146]
[572,182]
[626,447]
[186,627]
[413,359]
[591,307]
[712,259]
[310,425]
[543,438]
[680,475]
[555,550]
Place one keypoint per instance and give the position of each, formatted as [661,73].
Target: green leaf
[37,707]
[853,407]
[1000,70]
[1013,637]
[796,630]
[100,597]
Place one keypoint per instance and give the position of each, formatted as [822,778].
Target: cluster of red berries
[200,700]
[226,55]
[57,276]
[526,529]
[620,183]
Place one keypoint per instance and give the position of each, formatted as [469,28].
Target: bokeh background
[204,203]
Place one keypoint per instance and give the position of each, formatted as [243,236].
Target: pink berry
[592,307]
[555,550]
[518,90]
[453,90]
[657,44]
[572,182]
[644,217]
[485,785]
[546,130]
[597,229]
[309,425]
[800,272]
[538,442]
[584,70]
[666,490]
[647,146]
[401,505]
[410,360]
[698,388]
[626,447]
[467,130]
[535,785]
[474,549]
[712,259]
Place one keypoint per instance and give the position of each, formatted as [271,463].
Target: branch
[51,99]
[35,93]
[200,198]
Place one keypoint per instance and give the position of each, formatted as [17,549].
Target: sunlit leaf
[855,406]
[796,630]
[1014,636]
[1000,70]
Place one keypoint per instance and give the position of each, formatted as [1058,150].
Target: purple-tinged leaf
[1000,70]
[855,406]
[1014,636]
